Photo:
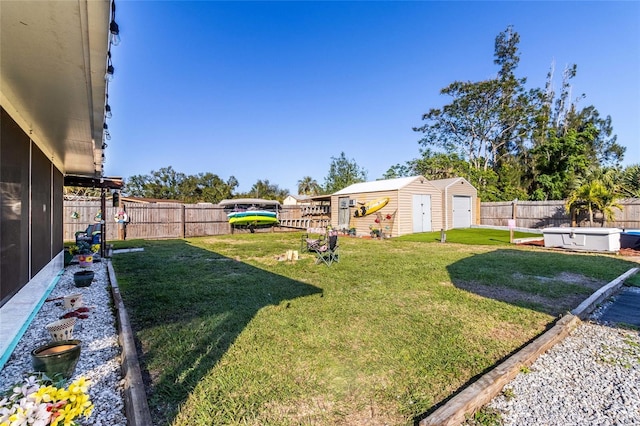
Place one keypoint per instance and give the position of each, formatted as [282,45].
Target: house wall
[31,191]
[461,187]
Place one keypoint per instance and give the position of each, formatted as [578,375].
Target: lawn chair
[307,242]
[327,252]
[90,235]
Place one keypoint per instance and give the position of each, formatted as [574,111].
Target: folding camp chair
[307,242]
[327,252]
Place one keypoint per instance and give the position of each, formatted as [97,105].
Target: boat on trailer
[251,213]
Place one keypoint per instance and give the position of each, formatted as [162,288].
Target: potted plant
[85,252]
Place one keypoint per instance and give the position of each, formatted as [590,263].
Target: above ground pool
[630,238]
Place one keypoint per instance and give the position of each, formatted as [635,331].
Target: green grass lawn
[231,335]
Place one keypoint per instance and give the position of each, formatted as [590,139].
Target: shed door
[343,213]
[461,211]
[421,213]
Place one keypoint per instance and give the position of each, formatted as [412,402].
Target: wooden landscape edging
[135,399]
[489,385]
[482,391]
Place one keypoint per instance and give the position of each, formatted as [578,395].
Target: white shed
[409,205]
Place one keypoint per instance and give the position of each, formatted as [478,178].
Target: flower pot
[85,260]
[73,301]
[83,278]
[56,358]
[68,257]
[61,329]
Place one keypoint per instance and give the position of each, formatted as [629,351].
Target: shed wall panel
[405,203]
[364,224]
[463,188]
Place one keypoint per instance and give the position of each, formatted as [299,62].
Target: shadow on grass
[550,282]
[553,283]
[187,307]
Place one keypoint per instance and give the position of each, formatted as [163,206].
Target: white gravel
[590,378]
[100,354]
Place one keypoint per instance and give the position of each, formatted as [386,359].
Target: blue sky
[273,90]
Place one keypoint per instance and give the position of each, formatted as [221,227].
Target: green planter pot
[56,358]
[68,257]
[83,278]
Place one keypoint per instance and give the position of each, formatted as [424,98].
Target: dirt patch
[552,306]
[318,410]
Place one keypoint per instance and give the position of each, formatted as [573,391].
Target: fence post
[183,224]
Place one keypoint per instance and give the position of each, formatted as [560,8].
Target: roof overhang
[94,182]
[53,57]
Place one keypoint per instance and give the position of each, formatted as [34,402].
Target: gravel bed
[100,353]
[592,377]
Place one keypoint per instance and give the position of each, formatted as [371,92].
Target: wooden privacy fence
[169,220]
[543,214]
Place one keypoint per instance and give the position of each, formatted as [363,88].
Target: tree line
[509,141]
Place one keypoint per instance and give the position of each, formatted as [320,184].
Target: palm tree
[630,186]
[308,186]
[592,196]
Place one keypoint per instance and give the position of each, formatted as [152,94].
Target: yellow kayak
[371,207]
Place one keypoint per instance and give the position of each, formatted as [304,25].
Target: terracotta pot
[56,358]
[83,278]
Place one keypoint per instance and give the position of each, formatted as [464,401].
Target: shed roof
[379,185]
[445,183]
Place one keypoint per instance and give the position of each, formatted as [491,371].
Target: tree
[342,173]
[266,190]
[308,186]
[569,144]
[166,183]
[517,143]
[590,197]
[487,123]
[399,170]
[207,188]
[630,182]
[560,161]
